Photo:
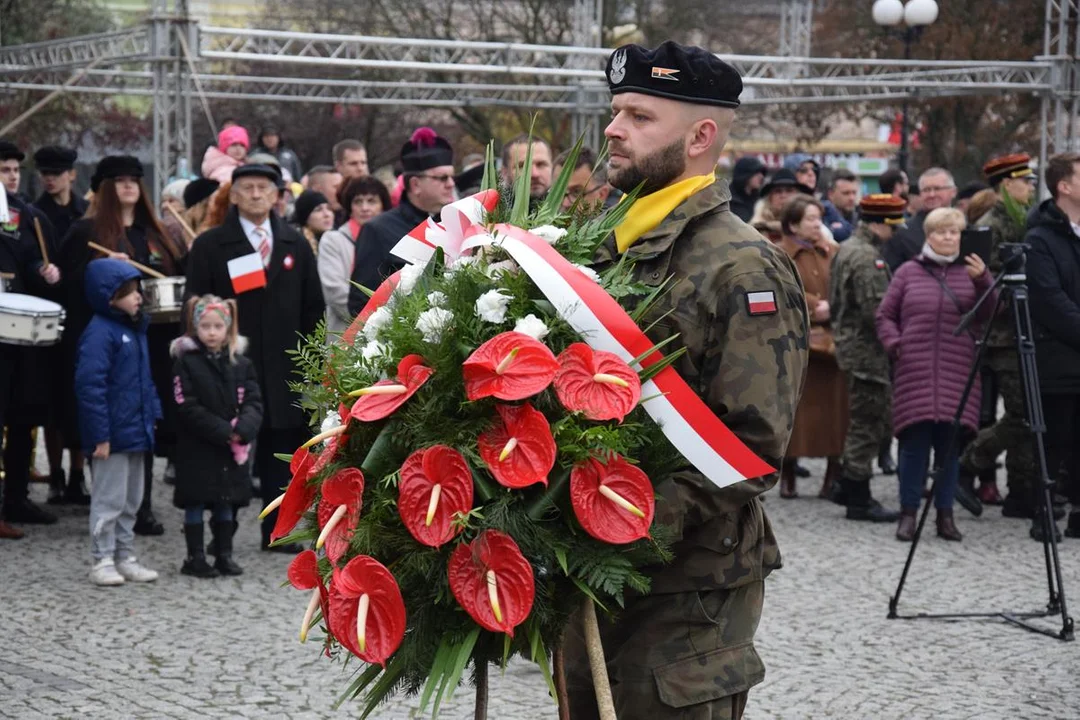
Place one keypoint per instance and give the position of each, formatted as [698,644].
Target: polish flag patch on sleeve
[247,273]
[761,303]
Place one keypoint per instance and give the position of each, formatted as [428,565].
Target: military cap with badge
[882,208]
[676,72]
[1008,167]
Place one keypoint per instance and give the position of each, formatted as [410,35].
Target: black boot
[145,522]
[223,536]
[1073,528]
[861,506]
[56,488]
[76,494]
[195,564]
[965,494]
[1037,534]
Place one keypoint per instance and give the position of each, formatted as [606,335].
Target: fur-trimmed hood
[186,344]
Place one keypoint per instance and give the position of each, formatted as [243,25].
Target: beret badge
[618,67]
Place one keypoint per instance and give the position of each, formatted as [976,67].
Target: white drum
[163,298]
[29,320]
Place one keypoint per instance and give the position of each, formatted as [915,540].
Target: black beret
[425,150]
[115,166]
[306,204]
[198,190]
[678,72]
[265,171]
[784,178]
[9,151]
[53,158]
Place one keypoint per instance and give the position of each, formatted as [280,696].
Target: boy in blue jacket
[118,408]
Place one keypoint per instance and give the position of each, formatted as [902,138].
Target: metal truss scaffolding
[175,61]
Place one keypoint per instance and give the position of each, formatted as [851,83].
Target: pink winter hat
[231,136]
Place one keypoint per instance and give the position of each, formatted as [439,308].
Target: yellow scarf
[648,211]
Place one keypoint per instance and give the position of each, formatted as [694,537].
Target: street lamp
[915,15]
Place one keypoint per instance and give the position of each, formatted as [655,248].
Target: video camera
[1012,257]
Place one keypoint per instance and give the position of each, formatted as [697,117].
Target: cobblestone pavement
[187,648]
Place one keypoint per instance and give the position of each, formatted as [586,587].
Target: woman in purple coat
[915,322]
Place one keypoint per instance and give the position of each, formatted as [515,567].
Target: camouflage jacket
[860,276]
[747,367]
[1003,230]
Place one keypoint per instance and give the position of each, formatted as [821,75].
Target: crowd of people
[889,293]
[267,251]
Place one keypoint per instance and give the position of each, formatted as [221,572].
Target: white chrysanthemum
[463,261]
[436,299]
[376,322]
[497,269]
[410,275]
[532,326]
[332,421]
[373,350]
[589,273]
[491,306]
[431,323]
[549,233]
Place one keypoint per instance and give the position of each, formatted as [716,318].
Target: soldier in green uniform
[860,277]
[737,305]
[1013,178]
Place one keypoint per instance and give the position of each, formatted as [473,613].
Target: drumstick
[183,223]
[139,266]
[41,242]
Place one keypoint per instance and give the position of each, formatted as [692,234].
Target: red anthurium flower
[342,498]
[597,383]
[386,396]
[613,502]
[435,484]
[304,575]
[492,581]
[367,614]
[519,450]
[509,366]
[297,498]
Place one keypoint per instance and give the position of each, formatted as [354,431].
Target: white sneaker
[130,569]
[104,573]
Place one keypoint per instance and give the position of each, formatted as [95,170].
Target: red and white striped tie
[264,245]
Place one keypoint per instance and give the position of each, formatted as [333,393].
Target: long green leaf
[383,686]
[436,674]
[491,175]
[656,368]
[463,654]
[357,686]
[540,657]
[655,348]
[379,460]
[553,203]
[519,212]
[588,593]
[287,457]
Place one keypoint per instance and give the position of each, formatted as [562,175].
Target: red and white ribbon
[458,222]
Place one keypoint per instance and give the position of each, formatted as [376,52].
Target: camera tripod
[1013,283]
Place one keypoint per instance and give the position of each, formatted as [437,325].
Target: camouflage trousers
[870,410]
[1010,434]
[683,656]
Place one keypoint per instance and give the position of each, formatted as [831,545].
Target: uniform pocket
[709,676]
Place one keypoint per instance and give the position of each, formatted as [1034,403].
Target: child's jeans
[220,512]
[115,497]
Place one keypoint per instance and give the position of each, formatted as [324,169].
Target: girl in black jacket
[219,411]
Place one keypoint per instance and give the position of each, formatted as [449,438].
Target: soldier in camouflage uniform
[1011,176]
[860,277]
[736,303]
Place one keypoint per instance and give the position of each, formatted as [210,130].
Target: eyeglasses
[936,188]
[439,178]
[574,194]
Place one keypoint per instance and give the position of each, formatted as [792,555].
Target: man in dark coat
[937,189]
[270,270]
[1053,272]
[429,185]
[58,202]
[29,386]
[746,181]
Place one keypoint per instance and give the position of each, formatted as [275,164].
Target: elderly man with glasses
[428,161]
[937,190]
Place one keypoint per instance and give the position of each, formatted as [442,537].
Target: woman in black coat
[219,412]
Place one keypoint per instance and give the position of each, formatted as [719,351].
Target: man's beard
[656,171]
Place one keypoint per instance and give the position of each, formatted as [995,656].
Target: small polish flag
[761,303]
[247,273]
